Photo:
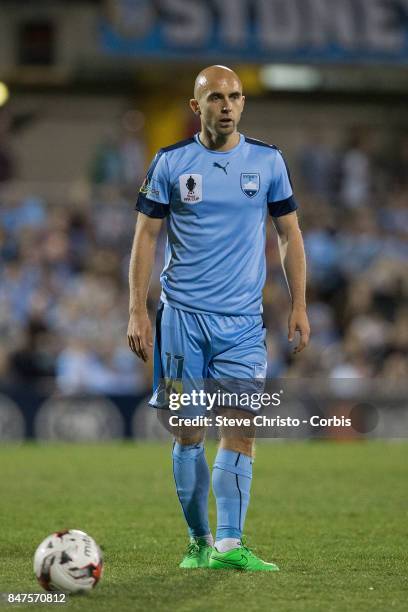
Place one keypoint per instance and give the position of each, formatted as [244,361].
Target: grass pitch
[333,516]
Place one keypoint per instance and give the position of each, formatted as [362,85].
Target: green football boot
[241,558]
[197,554]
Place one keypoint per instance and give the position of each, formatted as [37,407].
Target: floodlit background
[90,90]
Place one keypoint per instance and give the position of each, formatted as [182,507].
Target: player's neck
[217,142]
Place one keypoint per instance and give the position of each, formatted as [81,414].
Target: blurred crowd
[354,217]
[64,271]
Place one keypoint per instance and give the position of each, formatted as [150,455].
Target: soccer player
[215,191]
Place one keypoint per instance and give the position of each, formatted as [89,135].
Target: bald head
[212,76]
[219,103]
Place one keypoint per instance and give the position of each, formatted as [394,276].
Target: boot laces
[193,549]
[245,547]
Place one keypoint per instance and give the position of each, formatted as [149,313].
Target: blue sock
[192,478]
[231,479]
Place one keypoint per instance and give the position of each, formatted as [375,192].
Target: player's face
[221,106]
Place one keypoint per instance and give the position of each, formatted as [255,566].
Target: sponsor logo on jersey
[191,188]
[250,183]
[224,168]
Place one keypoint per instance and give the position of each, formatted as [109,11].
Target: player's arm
[140,270]
[293,259]
[153,206]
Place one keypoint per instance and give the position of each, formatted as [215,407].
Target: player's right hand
[139,335]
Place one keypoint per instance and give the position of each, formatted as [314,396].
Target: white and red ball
[69,561]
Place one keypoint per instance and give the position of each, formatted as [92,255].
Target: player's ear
[195,107]
[243,102]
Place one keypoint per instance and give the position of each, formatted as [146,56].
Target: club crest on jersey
[191,188]
[250,183]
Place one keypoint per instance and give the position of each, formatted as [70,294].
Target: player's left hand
[298,321]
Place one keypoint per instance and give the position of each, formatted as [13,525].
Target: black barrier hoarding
[283,408]
[25,414]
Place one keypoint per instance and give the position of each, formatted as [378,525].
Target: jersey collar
[229,152]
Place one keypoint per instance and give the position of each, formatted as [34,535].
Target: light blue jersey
[216,205]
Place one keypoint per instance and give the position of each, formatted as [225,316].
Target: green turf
[333,516]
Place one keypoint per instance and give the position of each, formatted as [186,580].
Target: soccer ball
[69,561]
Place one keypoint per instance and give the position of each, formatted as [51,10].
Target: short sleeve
[154,195]
[281,200]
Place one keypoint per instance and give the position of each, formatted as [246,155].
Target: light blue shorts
[192,349]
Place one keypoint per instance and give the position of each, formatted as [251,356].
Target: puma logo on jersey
[217,165]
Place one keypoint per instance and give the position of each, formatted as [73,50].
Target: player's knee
[237,424]
[236,435]
[187,436]
[243,445]
[183,434]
